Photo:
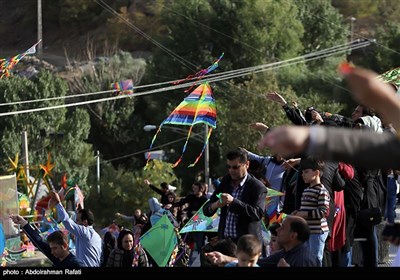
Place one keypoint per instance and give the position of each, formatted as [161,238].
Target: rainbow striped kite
[123,87]
[7,64]
[197,107]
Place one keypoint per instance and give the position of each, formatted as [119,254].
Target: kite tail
[204,147]
[183,149]
[151,146]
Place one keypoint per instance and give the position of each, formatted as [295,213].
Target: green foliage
[382,56]
[323,27]
[70,153]
[113,128]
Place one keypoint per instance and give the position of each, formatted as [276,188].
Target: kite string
[204,147]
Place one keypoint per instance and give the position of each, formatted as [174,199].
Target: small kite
[197,107]
[7,64]
[273,193]
[160,240]
[200,74]
[202,223]
[125,87]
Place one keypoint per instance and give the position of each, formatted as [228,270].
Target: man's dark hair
[86,214]
[301,228]
[273,227]
[366,111]
[57,237]
[308,115]
[239,153]
[164,185]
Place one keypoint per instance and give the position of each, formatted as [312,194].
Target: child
[314,206]
[247,252]
[273,244]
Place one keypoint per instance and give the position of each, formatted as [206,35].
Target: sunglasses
[235,167]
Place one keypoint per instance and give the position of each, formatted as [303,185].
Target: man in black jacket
[56,248]
[241,198]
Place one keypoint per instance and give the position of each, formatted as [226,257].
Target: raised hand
[276,97]
[259,126]
[19,220]
[286,140]
[54,199]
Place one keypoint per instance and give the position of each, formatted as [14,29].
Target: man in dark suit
[56,248]
[241,198]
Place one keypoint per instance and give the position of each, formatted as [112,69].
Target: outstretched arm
[35,237]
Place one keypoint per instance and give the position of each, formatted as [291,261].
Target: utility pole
[39,27]
[206,158]
[352,20]
[25,153]
[98,171]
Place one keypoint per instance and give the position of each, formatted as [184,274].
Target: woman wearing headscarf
[128,253]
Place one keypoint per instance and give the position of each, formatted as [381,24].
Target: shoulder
[251,180]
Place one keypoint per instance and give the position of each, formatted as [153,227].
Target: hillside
[68,25]
[18,30]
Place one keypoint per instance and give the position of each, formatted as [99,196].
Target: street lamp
[150,127]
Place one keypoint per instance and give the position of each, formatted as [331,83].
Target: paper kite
[160,240]
[273,193]
[201,73]
[202,223]
[391,76]
[123,87]
[7,64]
[198,107]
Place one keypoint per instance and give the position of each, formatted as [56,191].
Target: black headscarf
[127,259]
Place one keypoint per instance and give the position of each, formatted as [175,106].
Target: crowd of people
[338,175]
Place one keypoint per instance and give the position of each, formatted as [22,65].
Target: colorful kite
[200,222]
[7,64]
[391,76]
[198,107]
[273,193]
[160,240]
[123,87]
[200,74]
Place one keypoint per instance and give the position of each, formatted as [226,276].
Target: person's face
[244,260]
[127,242]
[309,175]
[195,189]
[284,233]
[357,113]
[138,212]
[236,169]
[170,198]
[58,251]
[274,244]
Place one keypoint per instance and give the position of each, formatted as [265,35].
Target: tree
[72,155]
[114,129]
[249,33]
